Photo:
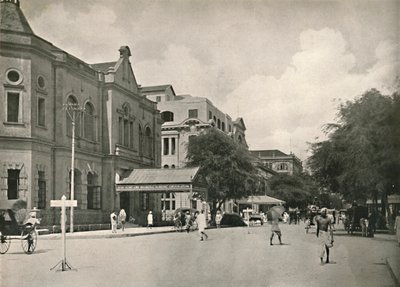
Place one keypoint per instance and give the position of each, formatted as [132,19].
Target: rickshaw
[310,216]
[355,214]
[11,230]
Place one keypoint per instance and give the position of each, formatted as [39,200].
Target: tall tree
[361,158]
[225,165]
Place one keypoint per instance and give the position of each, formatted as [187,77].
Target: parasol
[275,212]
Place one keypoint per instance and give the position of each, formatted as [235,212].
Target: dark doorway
[124,202]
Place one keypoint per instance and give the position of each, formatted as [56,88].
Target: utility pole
[74,111]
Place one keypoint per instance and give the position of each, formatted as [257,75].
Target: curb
[393,271]
[98,236]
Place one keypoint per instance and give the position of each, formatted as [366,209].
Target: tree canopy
[225,165]
[361,157]
[296,190]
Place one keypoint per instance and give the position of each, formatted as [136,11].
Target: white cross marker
[63,203]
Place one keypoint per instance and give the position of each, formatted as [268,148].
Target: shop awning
[260,199]
[162,180]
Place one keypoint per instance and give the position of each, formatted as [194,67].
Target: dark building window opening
[193,113]
[42,190]
[93,192]
[13,183]
[167,116]
[13,107]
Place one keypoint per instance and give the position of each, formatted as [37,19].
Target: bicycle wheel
[29,241]
[5,243]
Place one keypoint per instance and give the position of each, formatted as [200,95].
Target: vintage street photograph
[201,143]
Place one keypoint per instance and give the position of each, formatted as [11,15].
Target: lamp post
[73,110]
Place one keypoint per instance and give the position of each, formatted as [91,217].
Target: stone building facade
[279,162]
[117,129]
[184,116]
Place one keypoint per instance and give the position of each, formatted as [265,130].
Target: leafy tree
[296,190]
[224,164]
[361,158]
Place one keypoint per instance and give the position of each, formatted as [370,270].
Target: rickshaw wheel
[178,225]
[4,244]
[28,241]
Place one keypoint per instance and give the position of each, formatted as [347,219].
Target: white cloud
[294,107]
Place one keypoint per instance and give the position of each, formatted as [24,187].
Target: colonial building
[117,129]
[184,116]
[279,162]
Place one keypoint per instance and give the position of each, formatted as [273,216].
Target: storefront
[161,191]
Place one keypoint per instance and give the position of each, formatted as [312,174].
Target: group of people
[116,217]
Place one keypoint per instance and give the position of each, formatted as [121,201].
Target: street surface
[230,257]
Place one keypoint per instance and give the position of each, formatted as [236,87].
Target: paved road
[231,257]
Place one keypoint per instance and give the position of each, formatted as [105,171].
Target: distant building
[117,129]
[184,116]
[279,162]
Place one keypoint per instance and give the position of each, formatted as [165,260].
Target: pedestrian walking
[275,230]
[122,218]
[397,226]
[150,220]
[113,218]
[187,221]
[325,237]
[218,218]
[201,224]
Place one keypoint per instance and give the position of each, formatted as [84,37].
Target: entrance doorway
[124,202]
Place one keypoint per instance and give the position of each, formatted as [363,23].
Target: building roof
[12,18]
[103,67]
[260,199]
[268,153]
[160,88]
[166,175]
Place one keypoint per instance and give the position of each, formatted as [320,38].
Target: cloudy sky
[284,66]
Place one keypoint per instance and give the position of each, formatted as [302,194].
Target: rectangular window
[144,201]
[158,98]
[13,183]
[173,144]
[13,107]
[210,115]
[41,191]
[120,131]
[193,113]
[166,146]
[131,135]
[41,112]
[94,197]
[126,133]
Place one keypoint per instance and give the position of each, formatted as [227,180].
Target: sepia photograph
[201,143]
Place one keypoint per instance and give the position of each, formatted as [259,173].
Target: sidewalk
[393,263]
[129,232]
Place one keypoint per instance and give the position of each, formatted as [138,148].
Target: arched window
[223,126]
[166,166]
[72,101]
[219,124]
[167,116]
[89,121]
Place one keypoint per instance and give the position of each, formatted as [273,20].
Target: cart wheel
[4,244]
[28,241]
